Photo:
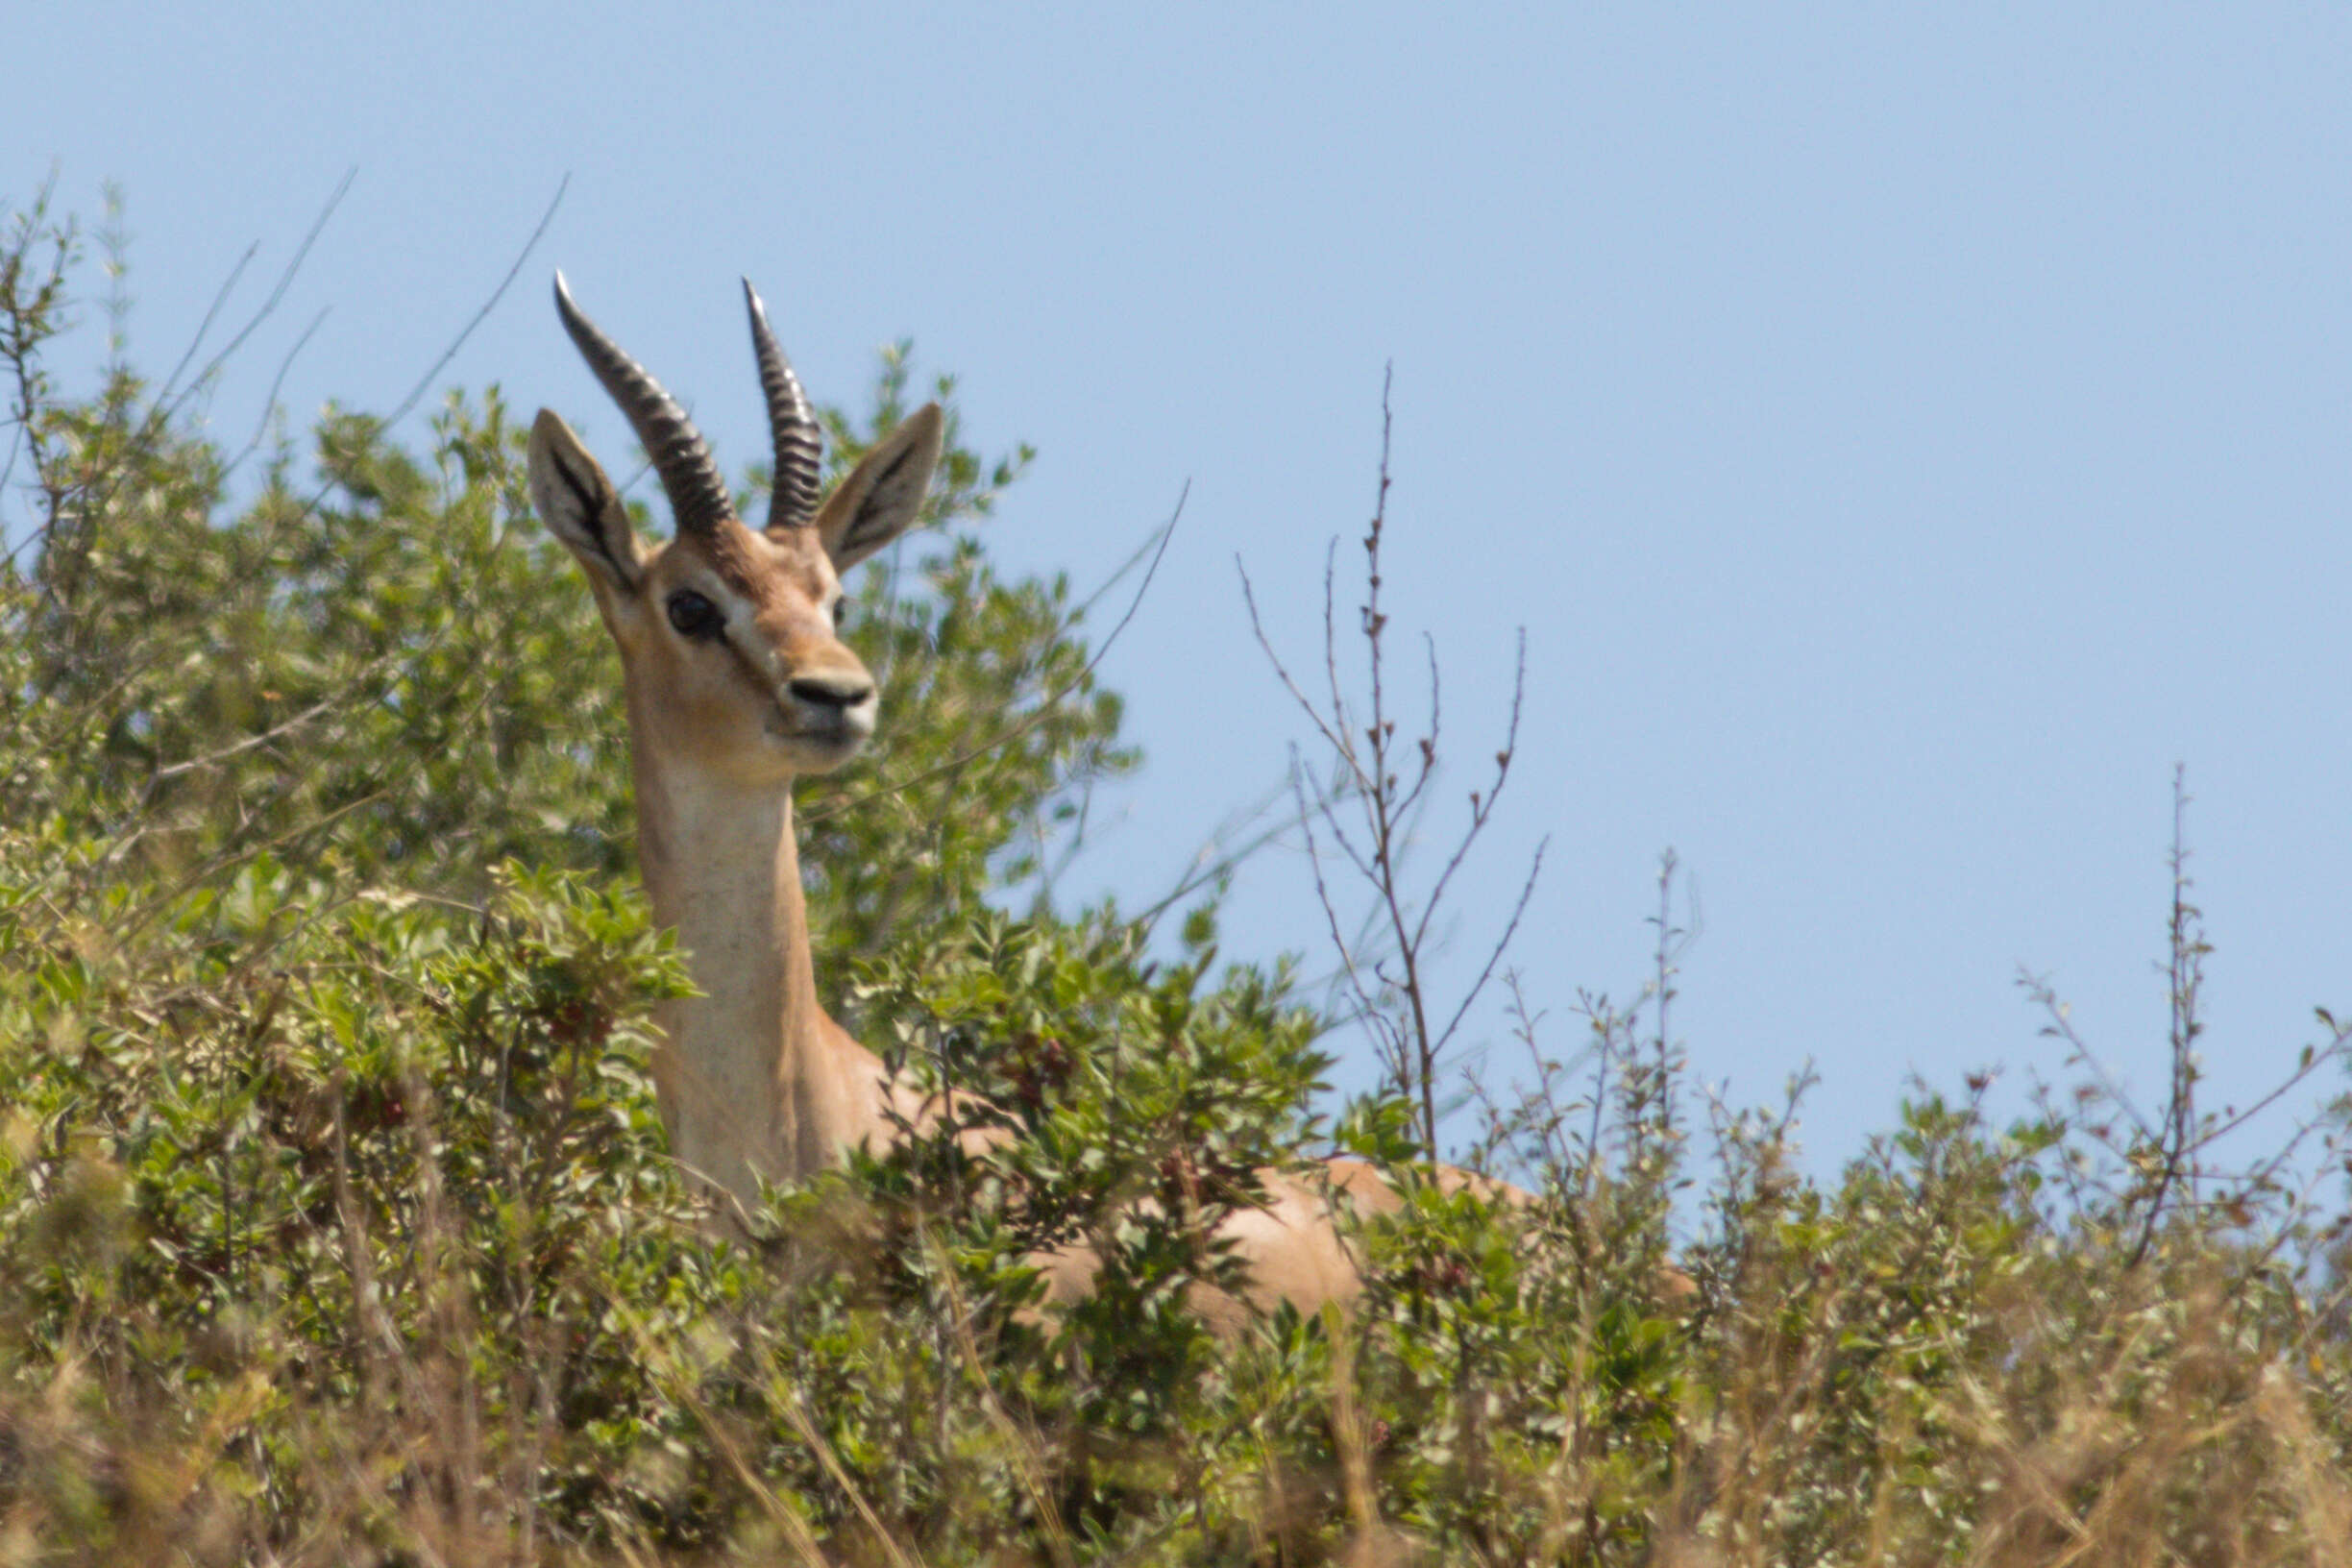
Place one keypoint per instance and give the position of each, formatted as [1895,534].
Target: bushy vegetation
[336,1225]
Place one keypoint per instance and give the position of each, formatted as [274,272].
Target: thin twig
[1044,709]
[220,297]
[425,381]
[269,400]
[167,407]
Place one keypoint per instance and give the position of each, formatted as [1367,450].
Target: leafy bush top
[336,1221]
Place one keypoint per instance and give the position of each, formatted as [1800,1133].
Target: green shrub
[336,1223]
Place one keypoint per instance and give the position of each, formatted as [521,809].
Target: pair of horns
[698,493]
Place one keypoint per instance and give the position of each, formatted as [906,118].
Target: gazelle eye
[692,615]
[841,611]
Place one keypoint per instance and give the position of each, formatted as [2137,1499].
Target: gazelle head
[727,633]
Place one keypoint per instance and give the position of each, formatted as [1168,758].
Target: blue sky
[1905,435]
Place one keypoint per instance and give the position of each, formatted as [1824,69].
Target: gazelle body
[736,684]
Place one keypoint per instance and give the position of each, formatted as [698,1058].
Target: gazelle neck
[748,1075]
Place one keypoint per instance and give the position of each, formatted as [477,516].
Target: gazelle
[737,683]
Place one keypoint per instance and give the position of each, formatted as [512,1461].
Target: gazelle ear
[580,504]
[884,492]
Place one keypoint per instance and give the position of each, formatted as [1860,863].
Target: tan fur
[753,1077]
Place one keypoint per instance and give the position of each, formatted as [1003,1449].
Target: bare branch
[1501,945]
[1046,707]
[269,400]
[425,382]
[166,408]
[204,327]
[1390,993]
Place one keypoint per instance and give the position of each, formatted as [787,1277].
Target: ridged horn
[697,496]
[799,444]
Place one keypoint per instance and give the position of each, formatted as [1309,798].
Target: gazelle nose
[830,691]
